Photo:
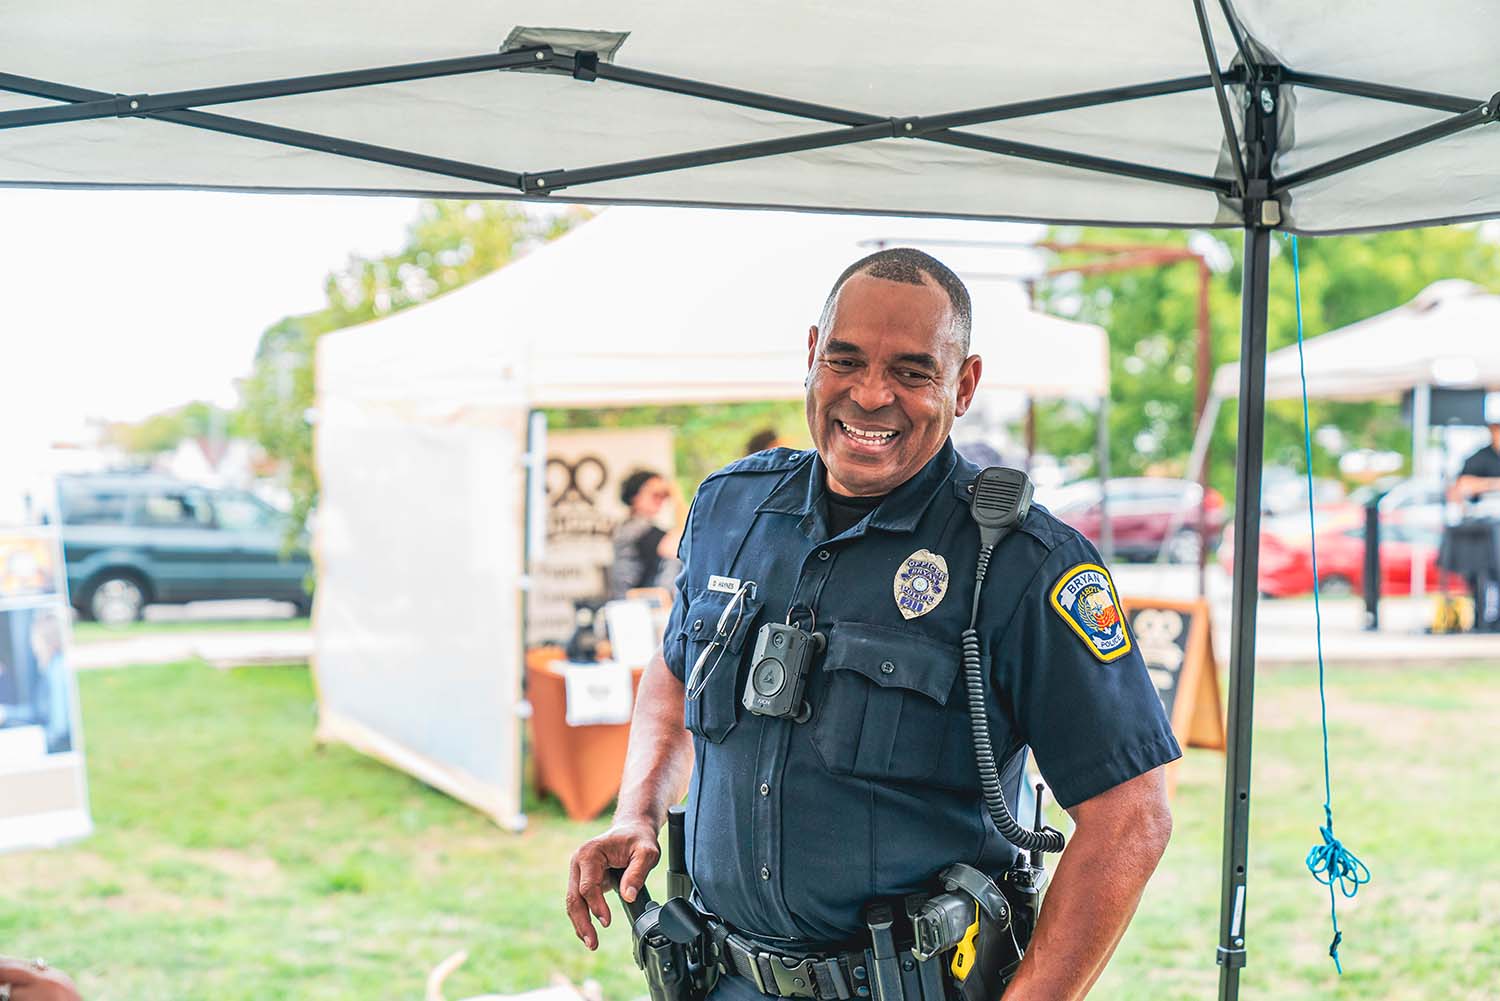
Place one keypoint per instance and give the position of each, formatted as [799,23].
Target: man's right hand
[631,846]
[33,982]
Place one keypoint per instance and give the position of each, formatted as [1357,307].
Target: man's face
[885,382]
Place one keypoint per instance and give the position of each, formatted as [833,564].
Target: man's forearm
[1473,486]
[1094,893]
[659,760]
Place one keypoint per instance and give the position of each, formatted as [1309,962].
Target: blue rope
[1330,862]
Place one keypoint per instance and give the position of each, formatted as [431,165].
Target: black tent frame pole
[1262,214]
[179,107]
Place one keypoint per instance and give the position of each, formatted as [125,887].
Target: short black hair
[761,440]
[633,484]
[911,267]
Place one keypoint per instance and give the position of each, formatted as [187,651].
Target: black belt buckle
[780,976]
[795,981]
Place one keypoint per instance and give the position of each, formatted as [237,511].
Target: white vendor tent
[695,306]
[423,419]
[1069,111]
[1262,115]
[1449,335]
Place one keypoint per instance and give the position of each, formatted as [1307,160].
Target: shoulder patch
[1085,598]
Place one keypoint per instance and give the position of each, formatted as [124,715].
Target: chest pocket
[715,711]
[884,711]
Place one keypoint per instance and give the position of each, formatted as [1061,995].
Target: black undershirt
[846,512]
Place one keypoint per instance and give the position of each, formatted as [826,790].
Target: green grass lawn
[93,632]
[234,860]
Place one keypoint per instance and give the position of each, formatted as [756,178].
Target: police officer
[793,823]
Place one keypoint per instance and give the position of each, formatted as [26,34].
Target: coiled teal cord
[1330,862]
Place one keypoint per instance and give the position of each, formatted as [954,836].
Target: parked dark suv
[136,539]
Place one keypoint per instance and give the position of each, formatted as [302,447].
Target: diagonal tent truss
[1289,147]
[1258,83]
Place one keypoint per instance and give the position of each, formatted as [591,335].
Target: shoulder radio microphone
[1001,500]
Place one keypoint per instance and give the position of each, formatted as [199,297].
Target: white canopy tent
[418,637]
[1258,114]
[1449,336]
[867,103]
[695,306]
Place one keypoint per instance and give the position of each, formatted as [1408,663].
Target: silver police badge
[921,583]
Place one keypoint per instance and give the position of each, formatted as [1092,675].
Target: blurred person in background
[34,980]
[1481,471]
[49,703]
[762,440]
[1475,549]
[645,553]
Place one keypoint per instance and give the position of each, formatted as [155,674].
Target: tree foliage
[164,431]
[1151,317]
[451,244]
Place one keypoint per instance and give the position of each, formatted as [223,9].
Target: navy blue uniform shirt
[792,827]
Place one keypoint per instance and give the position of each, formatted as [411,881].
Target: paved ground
[1285,627]
[221,646]
[1284,632]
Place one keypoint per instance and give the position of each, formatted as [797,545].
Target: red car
[1286,555]
[1146,513]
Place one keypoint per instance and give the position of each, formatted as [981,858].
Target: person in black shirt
[1481,471]
[1471,548]
[644,551]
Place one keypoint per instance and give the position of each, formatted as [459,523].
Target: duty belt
[840,976]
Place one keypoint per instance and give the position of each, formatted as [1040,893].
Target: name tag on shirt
[728,585]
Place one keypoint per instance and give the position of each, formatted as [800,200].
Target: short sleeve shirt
[792,827]
[1485,462]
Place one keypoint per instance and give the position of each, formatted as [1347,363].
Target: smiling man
[816,791]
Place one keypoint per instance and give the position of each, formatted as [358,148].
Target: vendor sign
[585,470]
[43,798]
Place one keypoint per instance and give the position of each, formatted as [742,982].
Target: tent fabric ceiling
[890,60]
[692,306]
[1449,335]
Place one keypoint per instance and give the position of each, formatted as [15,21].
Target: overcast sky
[118,304]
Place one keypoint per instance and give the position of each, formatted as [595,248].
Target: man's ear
[968,382]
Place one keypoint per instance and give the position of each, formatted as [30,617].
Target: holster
[673,943]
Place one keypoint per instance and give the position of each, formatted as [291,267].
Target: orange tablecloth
[580,765]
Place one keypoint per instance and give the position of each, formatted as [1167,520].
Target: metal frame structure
[1254,187]
[182,108]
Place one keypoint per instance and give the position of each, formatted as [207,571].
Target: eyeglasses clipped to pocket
[715,632]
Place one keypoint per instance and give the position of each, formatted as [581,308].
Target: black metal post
[1247,476]
[1261,215]
[1372,563]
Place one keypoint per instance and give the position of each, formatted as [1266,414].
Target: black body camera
[778,671]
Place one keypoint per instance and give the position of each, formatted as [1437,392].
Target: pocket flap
[706,609]
[894,658]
